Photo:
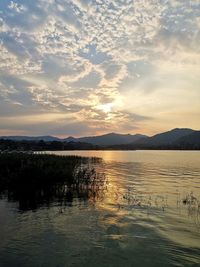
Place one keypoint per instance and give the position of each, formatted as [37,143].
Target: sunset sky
[85,67]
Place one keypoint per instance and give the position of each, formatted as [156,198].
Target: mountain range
[101,140]
[175,138]
[108,139]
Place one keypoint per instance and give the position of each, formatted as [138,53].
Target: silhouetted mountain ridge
[111,139]
[178,138]
[173,139]
[46,138]
[166,138]
[191,139]
[102,140]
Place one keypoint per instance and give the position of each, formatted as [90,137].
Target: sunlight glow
[107,108]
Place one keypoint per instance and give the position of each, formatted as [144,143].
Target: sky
[88,67]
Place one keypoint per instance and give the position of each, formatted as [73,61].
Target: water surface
[147,215]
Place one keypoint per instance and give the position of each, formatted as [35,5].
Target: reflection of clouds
[91,53]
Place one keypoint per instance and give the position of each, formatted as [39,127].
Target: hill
[168,137]
[191,141]
[46,138]
[112,139]
[178,138]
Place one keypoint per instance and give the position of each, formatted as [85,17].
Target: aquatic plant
[35,179]
[190,199]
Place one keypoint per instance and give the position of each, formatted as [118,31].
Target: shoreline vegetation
[35,180]
[40,145]
[40,179]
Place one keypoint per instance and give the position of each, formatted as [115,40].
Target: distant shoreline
[175,139]
[77,150]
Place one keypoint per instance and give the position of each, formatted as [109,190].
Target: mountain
[166,138]
[31,138]
[174,139]
[191,140]
[111,139]
[102,140]
[70,139]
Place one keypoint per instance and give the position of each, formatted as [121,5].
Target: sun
[107,108]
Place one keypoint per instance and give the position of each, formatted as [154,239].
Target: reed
[42,178]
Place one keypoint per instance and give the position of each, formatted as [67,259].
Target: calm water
[147,215]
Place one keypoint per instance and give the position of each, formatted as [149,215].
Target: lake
[147,215]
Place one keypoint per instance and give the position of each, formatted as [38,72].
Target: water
[148,215]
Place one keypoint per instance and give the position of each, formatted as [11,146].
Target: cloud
[16,7]
[74,56]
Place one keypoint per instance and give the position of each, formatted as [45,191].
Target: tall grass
[35,179]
